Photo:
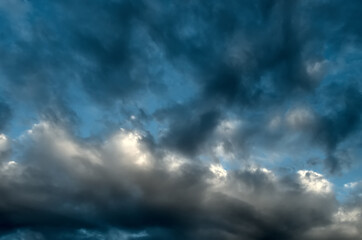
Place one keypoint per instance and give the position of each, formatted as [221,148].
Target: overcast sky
[185,120]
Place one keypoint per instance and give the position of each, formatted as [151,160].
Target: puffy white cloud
[126,147]
[314,182]
[219,174]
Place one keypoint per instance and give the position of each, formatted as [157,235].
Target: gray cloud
[61,185]
[5,115]
[266,77]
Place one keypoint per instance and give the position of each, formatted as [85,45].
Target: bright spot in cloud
[314,182]
[219,172]
[348,215]
[4,143]
[128,144]
[173,161]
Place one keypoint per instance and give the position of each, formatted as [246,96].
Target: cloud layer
[180,120]
[61,184]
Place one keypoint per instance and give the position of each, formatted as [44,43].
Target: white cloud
[174,161]
[218,170]
[314,182]
[219,178]
[61,143]
[348,215]
[126,146]
[353,185]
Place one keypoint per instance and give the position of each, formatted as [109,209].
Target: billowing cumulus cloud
[180,120]
[59,187]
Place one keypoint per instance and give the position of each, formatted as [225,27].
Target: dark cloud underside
[191,120]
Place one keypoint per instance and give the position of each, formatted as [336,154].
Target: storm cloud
[180,120]
[64,185]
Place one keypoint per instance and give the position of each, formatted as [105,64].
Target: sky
[174,120]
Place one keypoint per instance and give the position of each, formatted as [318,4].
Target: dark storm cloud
[252,60]
[243,55]
[188,133]
[5,114]
[61,185]
[258,56]
[48,49]
[233,45]
[341,123]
